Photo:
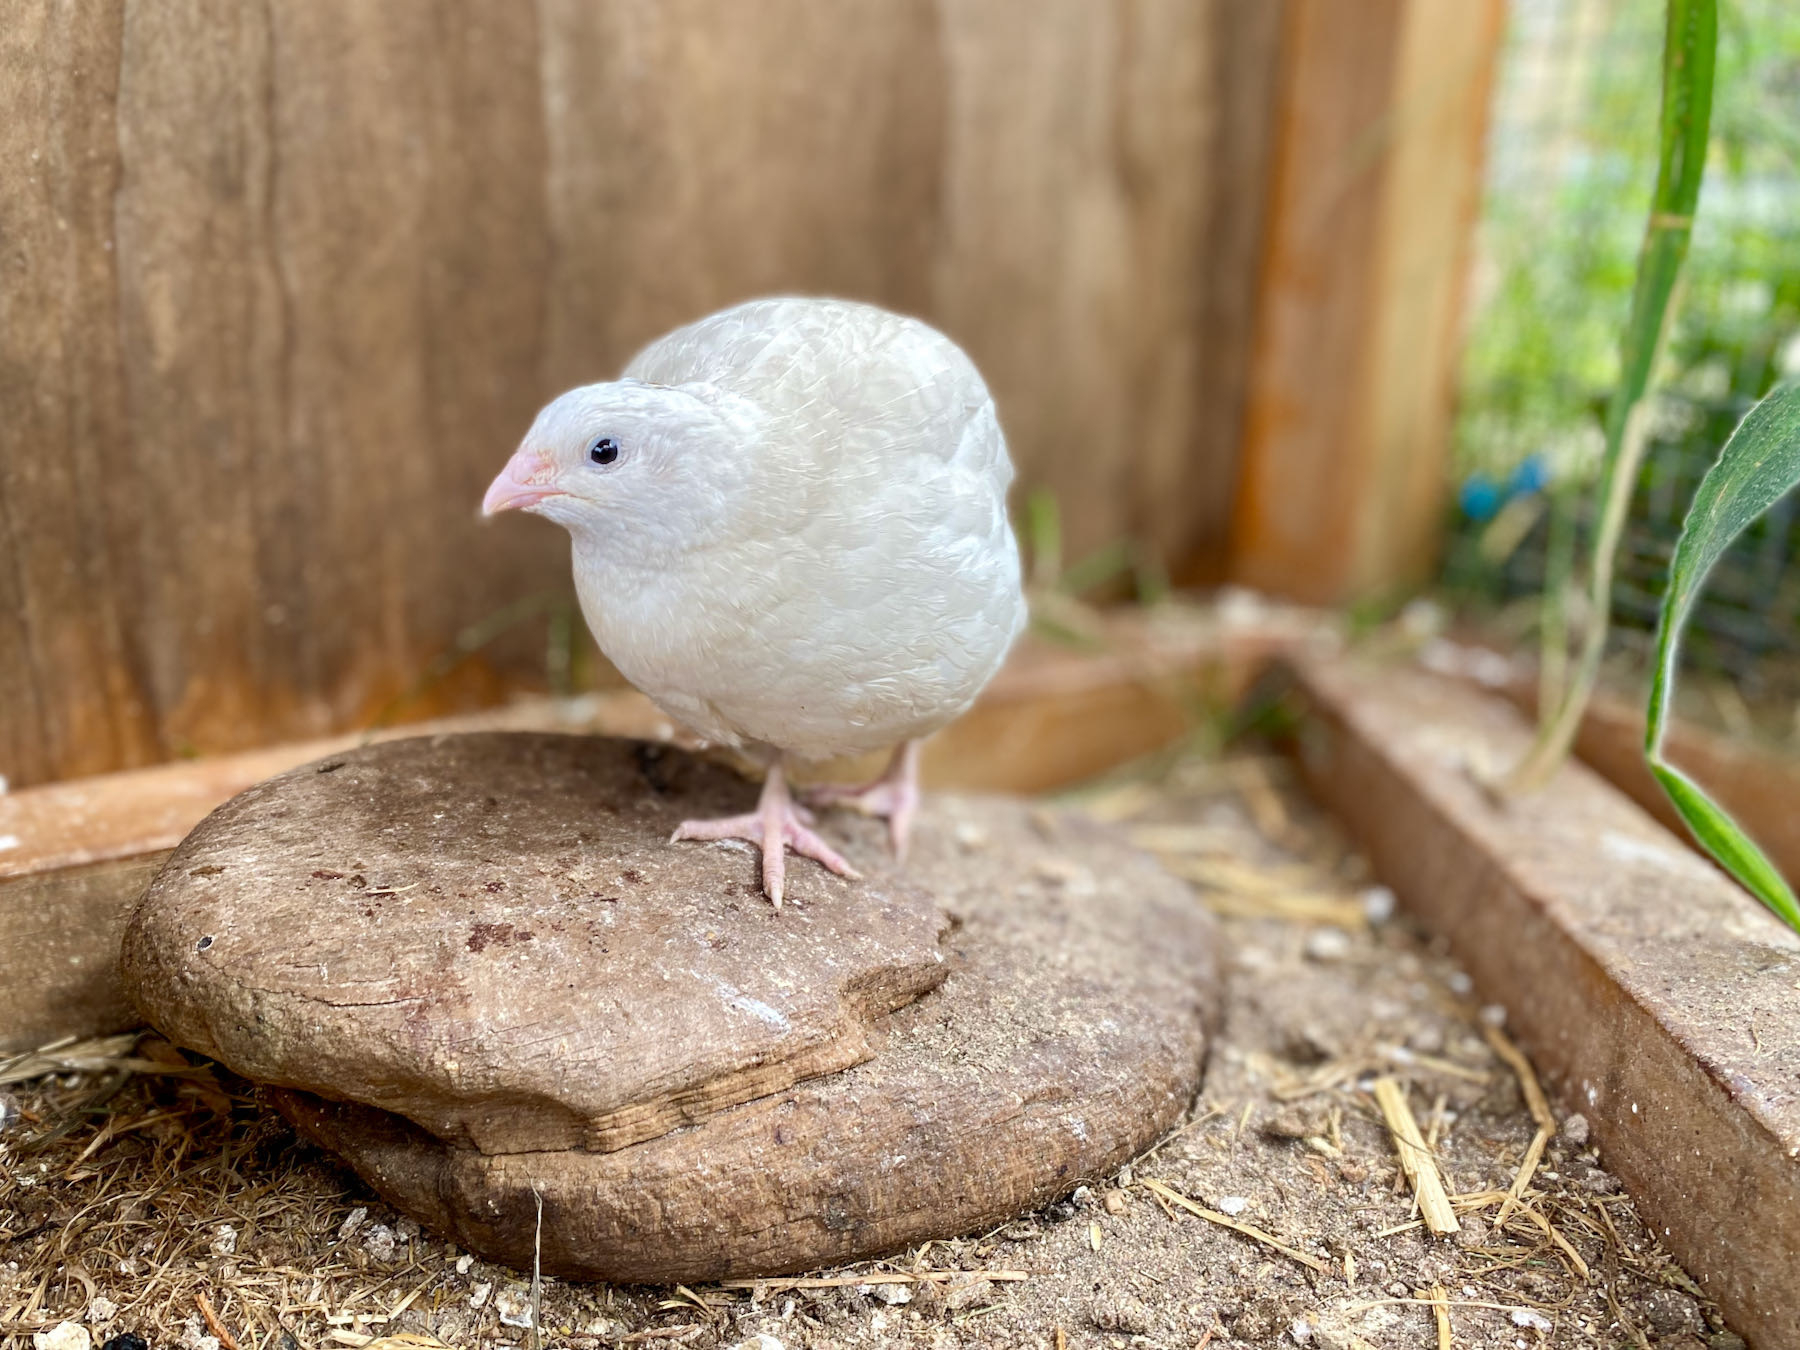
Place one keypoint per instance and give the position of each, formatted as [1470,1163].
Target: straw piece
[877,1277]
[1415,1159]
[1535,1101]
[1440,1305]
[1175,1197]
[214,1325]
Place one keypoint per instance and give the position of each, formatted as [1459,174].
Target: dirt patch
[132,1183]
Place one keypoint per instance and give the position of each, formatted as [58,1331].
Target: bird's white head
[633,470]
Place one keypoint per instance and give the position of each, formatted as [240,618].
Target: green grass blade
[1725,839]
[1758,466]
[1689,50]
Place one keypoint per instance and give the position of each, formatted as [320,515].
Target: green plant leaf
[1690,48]
[1757,467]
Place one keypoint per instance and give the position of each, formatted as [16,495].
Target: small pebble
[224,1241]
[513,1303]
[1673,1313]
[463,1263]
[478,1297]
[1494,1015]
[1574,1130]
[1233,1205]
[1301,1330]
[1114,1202]
[9,1111]
[1460,983]
[379,1242]
[1327,944]
[102,1309]
[1378,904]
[970,835]
[967,1294]
[1530,1319]
[62,1336]
[353,1222]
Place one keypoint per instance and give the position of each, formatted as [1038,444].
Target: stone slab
[1653,995]
[1028,1005]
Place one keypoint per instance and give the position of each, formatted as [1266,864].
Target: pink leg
[894,795]
[776,825]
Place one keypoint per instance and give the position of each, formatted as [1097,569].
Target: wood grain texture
[284,283]
[1376,186]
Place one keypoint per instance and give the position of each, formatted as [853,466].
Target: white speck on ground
[62,1336]
[513,1303]
[1327,944]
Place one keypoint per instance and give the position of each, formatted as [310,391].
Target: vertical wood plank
[1246,60]
[66,702]
[1377,179]
[1071,276]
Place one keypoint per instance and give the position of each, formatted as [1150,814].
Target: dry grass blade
[214,1325]
[1440,1306]
[1535,1102]
[98,1055]
[1415,1158]
[775,1286]
[1175,1197]
[1514,1058]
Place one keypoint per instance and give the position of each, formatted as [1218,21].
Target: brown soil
[133,1183]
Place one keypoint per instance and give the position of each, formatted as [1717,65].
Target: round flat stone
[1021,1008]
[491,936]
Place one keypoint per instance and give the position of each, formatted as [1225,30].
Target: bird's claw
[776,830]
[894,797]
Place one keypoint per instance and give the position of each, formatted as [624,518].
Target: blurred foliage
[1573,160]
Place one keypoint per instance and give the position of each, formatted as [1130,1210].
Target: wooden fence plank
[1377,183]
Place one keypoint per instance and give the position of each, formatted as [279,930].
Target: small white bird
[789,530]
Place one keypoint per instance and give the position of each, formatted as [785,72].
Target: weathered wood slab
[697,1086]
[1757,784]
[492,936]
[1655,997]
[81,853]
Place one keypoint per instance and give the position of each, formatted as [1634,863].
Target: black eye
[603,451]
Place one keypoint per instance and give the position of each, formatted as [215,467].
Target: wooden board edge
[1629,1007]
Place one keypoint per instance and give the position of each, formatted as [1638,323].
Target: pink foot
[894,795]
[777,825]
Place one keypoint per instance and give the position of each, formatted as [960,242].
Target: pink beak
[526,480]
